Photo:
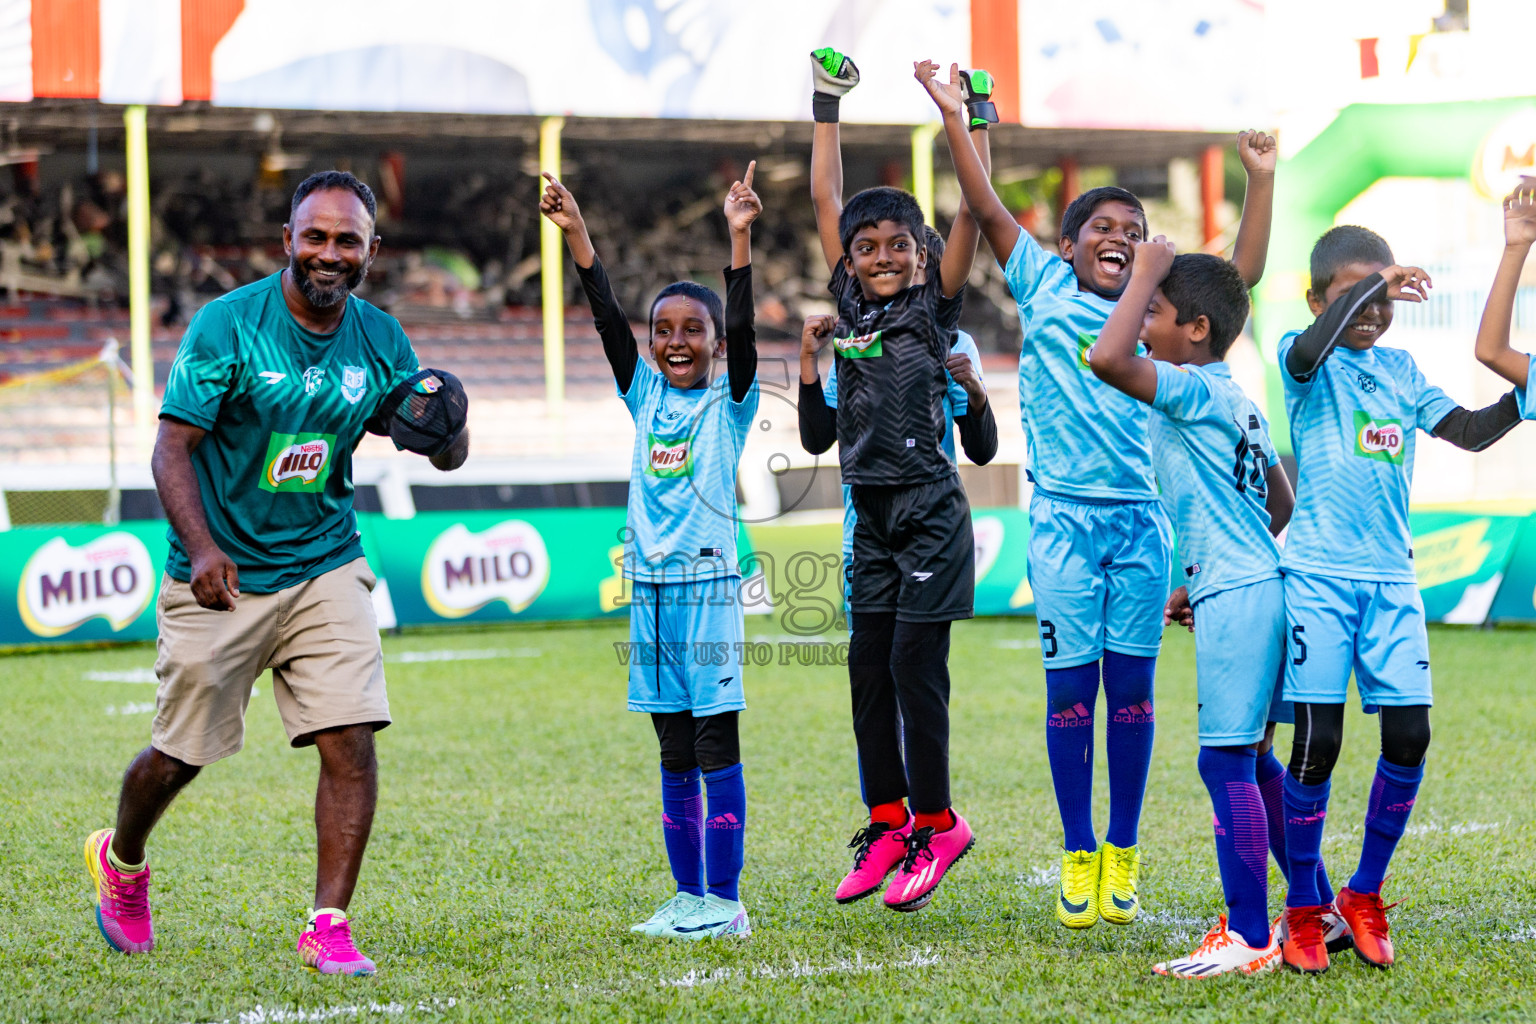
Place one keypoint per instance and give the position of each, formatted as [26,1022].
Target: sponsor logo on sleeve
[669,456]
[63,587]
[298,462]
[1085,348]
[354,381]
[863,346]
[1380,439]
[463,571]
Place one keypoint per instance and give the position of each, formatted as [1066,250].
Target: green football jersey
[284,408]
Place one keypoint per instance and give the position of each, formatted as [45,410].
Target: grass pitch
[517,840]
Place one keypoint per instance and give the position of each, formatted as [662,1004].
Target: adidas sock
[725,830]
[1070,695]
[893,814]
[127,869]
[1306,808]
[1393,793]
[682,828]
[1242,839]
[1127,740]
[1324,887]
[940,822]
[1269,773]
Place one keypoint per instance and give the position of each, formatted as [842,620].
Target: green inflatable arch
[1365,142]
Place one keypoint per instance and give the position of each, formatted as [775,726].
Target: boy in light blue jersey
[1352,601]
[1228,497]
[1100,543]
[1493,349]
[685,622]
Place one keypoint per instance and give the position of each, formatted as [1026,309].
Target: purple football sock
[1306,809]
[1070,694]
[1242,839]
[682,828]
[1393,793]
[1127,740]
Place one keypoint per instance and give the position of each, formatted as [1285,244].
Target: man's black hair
[699,293]
[873,205]
[1199,284]
[345,181]
[1343,245]
[1080,210]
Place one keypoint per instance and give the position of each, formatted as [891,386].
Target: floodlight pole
[138,280]
[922,167]
[552,265]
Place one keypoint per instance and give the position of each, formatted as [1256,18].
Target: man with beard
[271,390]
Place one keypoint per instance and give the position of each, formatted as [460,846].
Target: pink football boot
[878,849]
[122,901]
[929,855]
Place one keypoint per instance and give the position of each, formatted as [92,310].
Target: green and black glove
[976,86]
[832,75]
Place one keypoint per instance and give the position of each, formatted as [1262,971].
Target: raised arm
[818,421]
[1314,345]
[1493,349]
[608,316]
[832,75]
[995,222]
[742,207]
[1113,357]
[964,233]
[977,427]
[1258,153]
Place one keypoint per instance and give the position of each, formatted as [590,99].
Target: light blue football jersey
[956,403]
[1086,440]
[1353,428]
[682,483]
[1212,453]
[1527,396]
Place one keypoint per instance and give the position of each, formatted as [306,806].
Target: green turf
[517,839]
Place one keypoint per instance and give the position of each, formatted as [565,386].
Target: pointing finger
[746,182]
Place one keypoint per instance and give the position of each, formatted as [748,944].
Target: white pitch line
[1040,878]
[132,675]
[1016,645]
[135,708]
[481,654]
[263,1015]
[858,965]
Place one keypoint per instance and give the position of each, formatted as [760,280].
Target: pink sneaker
[879,848]
[326,946]
[122,901]
[929,855]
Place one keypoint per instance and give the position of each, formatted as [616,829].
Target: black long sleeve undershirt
[1474,430]
[978,434]
[740,331]
[818,420]
[612,325]
[1313,347]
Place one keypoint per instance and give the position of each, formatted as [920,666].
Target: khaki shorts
[319,638]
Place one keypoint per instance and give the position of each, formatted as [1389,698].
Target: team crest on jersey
[298,462]
[1378,439]
[863,346]
[313,378]
[1367,383]
[669,456]
[354,381]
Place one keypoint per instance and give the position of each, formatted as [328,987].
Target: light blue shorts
[1100,577]
[1376,629]
[1239,646]
[685,644]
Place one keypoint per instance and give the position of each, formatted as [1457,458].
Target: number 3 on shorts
[1048,637]
[1300,657]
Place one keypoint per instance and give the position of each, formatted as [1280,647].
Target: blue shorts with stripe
[1376,630]
[1100,577]
[685,645]
[1239,647]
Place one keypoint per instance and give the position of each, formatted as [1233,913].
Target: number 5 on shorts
[1300,657]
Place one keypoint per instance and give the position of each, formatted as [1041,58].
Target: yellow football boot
[1117,883]
[1077,904]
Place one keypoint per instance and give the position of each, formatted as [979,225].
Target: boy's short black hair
[699,293]
[873,205]
[935,243]
[346,181]
[1199,284]
[1079,210]
[1343,245]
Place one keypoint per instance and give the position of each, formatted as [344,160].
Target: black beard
[325,298]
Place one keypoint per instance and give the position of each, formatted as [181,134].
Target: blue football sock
[1269,773]
[725,830]
[1324,887]
[1242,839]
[682,827]
[1306,808]
[1392,795]
[1070,695]
[1127,740]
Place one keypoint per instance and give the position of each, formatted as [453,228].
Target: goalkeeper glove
[832,75]
[976,87]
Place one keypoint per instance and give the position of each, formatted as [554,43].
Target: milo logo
[63,587]
[1378,439]
[463,571]
[1085,349]
[864,346]
[298,462]
[668,457]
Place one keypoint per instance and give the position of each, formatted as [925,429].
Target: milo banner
[1460,561]
[1002,562]
[81,583]
[1516,599]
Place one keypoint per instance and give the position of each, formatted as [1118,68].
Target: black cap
[425,413]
